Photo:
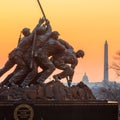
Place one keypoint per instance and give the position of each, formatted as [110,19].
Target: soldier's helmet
[25,31]
[80,53]
[55,33]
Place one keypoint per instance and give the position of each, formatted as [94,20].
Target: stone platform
[58,110]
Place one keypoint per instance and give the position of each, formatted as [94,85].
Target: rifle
[19,39]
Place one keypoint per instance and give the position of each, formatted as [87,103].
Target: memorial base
[55,110]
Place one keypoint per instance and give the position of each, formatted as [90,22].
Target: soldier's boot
[40,81]
[24,85]
[12,83]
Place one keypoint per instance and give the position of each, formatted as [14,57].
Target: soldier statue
[40,48]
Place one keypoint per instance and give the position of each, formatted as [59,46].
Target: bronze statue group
[40,48]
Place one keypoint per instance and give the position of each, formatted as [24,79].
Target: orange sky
[86,24]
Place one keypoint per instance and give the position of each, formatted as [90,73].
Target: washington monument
[105,62]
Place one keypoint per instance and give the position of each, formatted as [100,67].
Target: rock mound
[54,90]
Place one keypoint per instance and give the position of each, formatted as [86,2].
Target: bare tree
[116,64]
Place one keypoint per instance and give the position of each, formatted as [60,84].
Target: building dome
[85,78]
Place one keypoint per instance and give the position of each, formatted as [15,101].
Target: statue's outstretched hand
[41,20]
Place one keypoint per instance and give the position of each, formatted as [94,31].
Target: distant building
[105,74]
[85,79]
[105,90]
[105,82]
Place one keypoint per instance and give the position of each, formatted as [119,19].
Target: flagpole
[41,9]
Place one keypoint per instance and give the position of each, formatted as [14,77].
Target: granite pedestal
[59,110]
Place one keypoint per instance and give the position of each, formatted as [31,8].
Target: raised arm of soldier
[48,27]
[43,34]
[41,21]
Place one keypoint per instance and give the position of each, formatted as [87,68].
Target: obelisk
[105,62]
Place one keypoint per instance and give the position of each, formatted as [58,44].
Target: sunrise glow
[85,24]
